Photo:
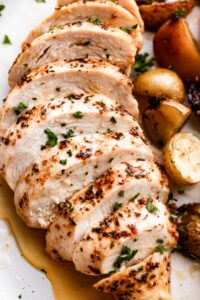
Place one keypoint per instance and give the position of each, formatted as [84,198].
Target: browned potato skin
[175,46]
[154,15]
[160,82]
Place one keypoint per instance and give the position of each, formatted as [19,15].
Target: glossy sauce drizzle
[66,282]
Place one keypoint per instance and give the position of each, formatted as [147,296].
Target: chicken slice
[147,280]
[67,168]
[61,79]
[76,41]
[24,141]
[102,12]
[95,202]
[130,5]
[130,234]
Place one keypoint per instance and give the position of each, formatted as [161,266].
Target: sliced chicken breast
[24,141]
[96,202]
[67,168]
[62,80]
[147,280]
[76,41]
[129,235]
[130,5]
[102,12]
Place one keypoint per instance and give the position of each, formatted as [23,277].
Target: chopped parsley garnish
[111,272]
[52,138]
[150,206]
[40,1]
[96,22]
[135,197]
[173,217]
[20,296]
[6,40]
[113,120]
[110,160]
[71,97]
[143,62]
[68,206]
[20,108]
[121,193]
[63,162]
[78,115]
[68,134]
[180,12]
[69,152]
[126,255]
[2,7]
[129,29]
[117,206]
[160,247]
[52,28]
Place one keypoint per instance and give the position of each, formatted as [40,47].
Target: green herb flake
[20,296]
[143,62]
[113,120]
[63,162]
[78,115]
[2,7]
[150,206]
[117,206]
[128,29]
[173,217]
[110,160]
[180,12]
[121,193]
[68,134]
[20,108]
[52,138]
[160,247]
[135,197]
[69,152]
[6,40]
[40,1]
[96,22]
[126,255]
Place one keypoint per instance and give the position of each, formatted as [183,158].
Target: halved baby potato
[164,118]
[182,158]
[154,15]
[160,83]
[174,46]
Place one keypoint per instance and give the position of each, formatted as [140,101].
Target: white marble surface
[17,277]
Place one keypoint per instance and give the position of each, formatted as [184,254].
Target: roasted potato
[164,118]
[162,83]
[182,158]
[189,225]
[174,46]
[154,15]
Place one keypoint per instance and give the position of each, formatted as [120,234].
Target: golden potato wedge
[154,15]
[164,118]
[182,158]
[175,46]
[162,83]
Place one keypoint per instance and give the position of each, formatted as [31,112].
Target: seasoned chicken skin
[140,227]
[130,5]
[96,202]
[147,280]
[102,12]
[24,141]
[49,182]
[63,80]
[76,41]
